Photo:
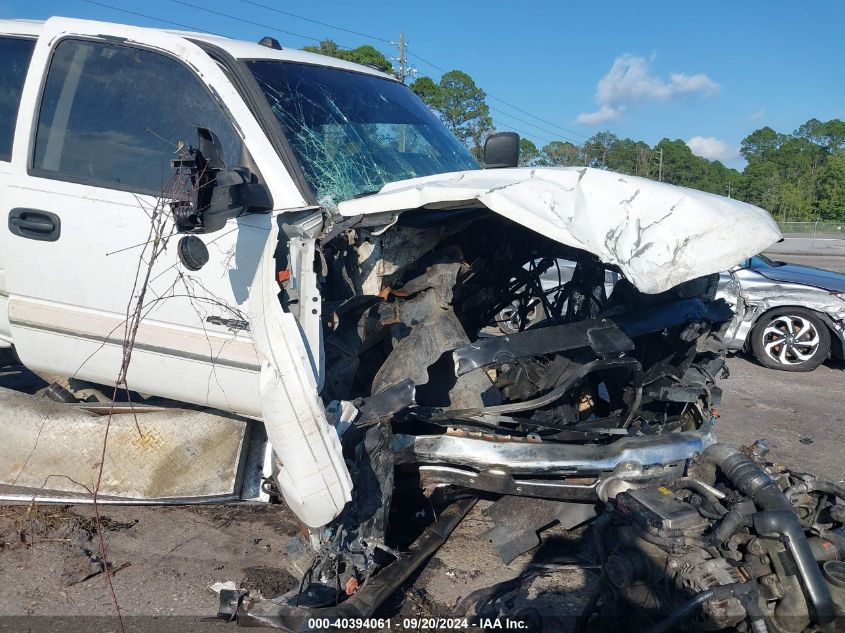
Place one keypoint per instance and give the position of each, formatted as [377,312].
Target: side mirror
[217,193]
[501,150]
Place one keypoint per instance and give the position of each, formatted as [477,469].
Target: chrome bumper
[519,466]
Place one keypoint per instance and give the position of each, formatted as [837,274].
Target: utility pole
[402,130]
[660,167]
[402,58]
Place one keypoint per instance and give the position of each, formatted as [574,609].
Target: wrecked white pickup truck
[308,314]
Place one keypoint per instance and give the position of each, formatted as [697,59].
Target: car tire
[790,339]
[508,319]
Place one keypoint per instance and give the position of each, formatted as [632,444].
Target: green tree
[461,105]
[760,185]
[597,149]
[631,157]
[428,91]
[829,135]
[680,165]
[561,154]
[756,145]
[831,190]
[464,110]
[365,55]
[528,153]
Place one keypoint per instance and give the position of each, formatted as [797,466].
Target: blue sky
[708,72]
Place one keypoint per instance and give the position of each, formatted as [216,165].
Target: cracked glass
[352,133]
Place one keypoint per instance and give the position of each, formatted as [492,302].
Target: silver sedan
[789,316]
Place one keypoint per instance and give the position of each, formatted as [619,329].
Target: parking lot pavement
[828,262]
[820,245]
[801,414]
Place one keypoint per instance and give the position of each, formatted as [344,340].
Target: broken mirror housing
[213,192]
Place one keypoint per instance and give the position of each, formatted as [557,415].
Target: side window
[15,54]
[114,116]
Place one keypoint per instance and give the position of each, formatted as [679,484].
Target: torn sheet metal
[659,235]
[313,478]
[51,452]
[768,296]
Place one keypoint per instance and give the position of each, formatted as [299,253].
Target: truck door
[15,54]
[104,110]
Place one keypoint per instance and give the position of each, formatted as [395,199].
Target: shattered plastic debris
[219,586]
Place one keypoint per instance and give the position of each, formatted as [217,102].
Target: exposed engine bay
[605,408]
[416,304]
[738,543]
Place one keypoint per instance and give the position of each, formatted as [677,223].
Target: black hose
[725,528]
[778,517]
[722,592]
[829,487]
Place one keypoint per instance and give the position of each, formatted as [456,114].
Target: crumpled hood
[806,275]
[659,235]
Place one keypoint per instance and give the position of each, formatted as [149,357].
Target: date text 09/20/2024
[416,624]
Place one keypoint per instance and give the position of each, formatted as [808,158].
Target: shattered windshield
[353,133]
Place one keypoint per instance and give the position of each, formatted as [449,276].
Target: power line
[152,17]
[244,20]
[523,134]
[401,45]
[534,116]
[219,13]
[326,24]
[425,61]
[502,101]
[542,129]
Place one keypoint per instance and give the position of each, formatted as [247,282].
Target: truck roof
[239,49]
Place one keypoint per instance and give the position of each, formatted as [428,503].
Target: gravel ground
[800,414]
[167,557]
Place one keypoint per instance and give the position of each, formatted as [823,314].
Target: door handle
[35,225]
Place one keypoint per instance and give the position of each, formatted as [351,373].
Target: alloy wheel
[790,340]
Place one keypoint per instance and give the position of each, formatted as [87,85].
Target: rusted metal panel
[52,451]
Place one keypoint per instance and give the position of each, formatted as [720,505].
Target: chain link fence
[811,238]
[822,228]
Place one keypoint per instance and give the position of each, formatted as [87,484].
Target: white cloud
[603,114]
[758,116]
[629,80]
[712,148]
